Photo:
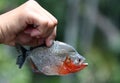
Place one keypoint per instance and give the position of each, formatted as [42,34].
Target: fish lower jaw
[86,64]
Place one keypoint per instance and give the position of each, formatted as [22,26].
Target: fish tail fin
[22,55]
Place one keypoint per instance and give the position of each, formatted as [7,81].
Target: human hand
[28,24]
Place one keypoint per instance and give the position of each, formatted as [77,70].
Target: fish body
[59,59]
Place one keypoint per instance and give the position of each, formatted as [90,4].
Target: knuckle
[52,24]
[26,10]
[45,22]
[55,21]
[28,6]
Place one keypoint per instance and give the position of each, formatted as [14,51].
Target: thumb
[51,38]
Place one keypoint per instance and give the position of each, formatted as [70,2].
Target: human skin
[28,24]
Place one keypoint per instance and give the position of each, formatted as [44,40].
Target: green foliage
[9,72]
[111,9]
[103,63]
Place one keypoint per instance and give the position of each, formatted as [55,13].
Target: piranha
[59,59]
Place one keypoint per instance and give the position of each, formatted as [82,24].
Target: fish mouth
[82,65]
[81,61]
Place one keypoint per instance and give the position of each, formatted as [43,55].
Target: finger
[51,38]
[43,27]
[41,22]
[54,20]
[35,32]
[23,38]
[44,13]
[35,42]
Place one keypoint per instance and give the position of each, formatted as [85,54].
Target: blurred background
[91,26]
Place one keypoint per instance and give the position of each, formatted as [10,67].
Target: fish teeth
[85,64]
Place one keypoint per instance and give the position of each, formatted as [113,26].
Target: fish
[59,59]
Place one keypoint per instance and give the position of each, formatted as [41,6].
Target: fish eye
[79,60]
